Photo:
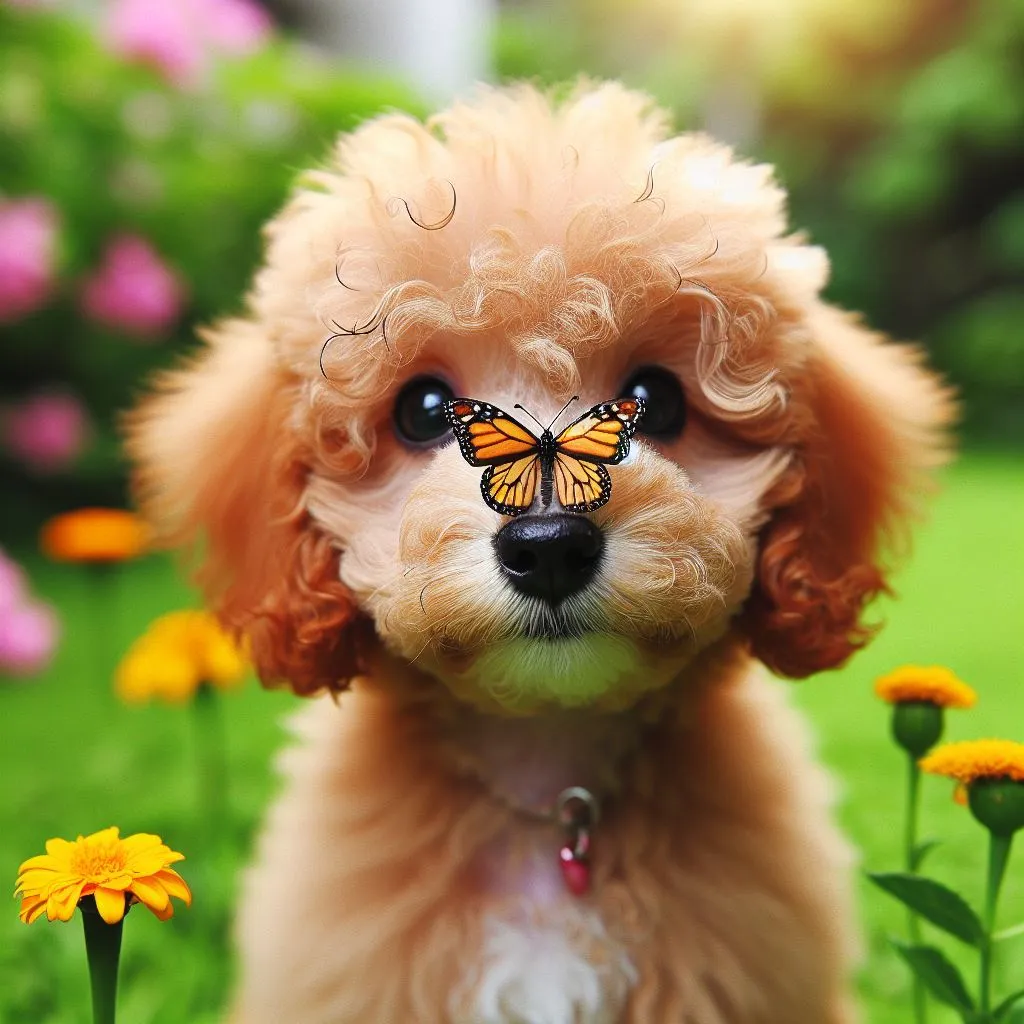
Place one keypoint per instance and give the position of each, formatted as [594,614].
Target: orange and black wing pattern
[489,437]
[511,488]
[597,439]
[518,461]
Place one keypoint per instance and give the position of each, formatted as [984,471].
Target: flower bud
[917,726]
[998,804]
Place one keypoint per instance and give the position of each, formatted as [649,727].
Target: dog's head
[517,251]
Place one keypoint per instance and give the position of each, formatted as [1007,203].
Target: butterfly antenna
[575,398]
[530,414]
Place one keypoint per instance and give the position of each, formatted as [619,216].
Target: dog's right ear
[875,430]
[218,467]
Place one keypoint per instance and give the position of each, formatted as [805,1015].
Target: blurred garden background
[142,145]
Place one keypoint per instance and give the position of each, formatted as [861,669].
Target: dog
[546,777]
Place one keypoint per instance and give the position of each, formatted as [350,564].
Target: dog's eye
[665,415]
[419,410]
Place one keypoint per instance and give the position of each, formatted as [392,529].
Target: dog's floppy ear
[217,464]
[871,425]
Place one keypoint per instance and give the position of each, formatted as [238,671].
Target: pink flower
[28,242]
[12,584]
[28,629]
[133,289]
[28,638]
[47,431]
[237,26]
[179,38]
[158,33]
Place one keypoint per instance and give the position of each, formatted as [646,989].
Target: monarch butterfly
[517,460]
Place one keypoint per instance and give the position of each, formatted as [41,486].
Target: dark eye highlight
[418,414]
[665,414]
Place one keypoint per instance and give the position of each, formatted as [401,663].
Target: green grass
[959,602]
[72,759]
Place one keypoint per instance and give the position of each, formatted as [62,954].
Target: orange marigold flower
[180,651]
[116,872]
[931,684]
[971,760]
[94,535]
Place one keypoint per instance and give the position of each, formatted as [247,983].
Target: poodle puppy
[547,778]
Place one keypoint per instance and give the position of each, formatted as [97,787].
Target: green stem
[910,828]
[211,762]
[998,855]
[105,639]
[103,949]
[910,842]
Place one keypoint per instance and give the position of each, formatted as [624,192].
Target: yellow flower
[103,866]
[94,535]
[972,760]
[175,655]
[990,780]
[928,684]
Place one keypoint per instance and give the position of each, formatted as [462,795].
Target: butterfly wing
[599,437]
[581,486]
[488,436]
[602,434]
[510,488]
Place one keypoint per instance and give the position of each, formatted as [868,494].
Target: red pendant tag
[578,812]
[575,871]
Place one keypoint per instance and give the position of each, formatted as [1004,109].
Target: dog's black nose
[549,556]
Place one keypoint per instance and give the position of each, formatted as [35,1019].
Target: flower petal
[44,862]
[138,842]
[120,882]
[931,684]
[110,904]
[39,882]
[61,903]
[175,885]
[36,878]
[31,908]
[59,848]
[151,893]
[968,760]
[61,879]
[167,912]
[104,836]
[152,861]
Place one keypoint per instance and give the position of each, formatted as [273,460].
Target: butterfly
[571,464]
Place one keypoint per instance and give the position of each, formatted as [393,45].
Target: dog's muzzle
[550,556]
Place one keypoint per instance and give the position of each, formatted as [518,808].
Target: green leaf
[938,974]
[935,903]
[1012,932]
[921,850]
[1002,1011]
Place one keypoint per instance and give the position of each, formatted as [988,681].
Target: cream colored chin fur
[573,672]
[408,874]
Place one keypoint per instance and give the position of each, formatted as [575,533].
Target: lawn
[73,759]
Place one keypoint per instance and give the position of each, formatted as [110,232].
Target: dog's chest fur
[428,899]
[546,956]
[560,969]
